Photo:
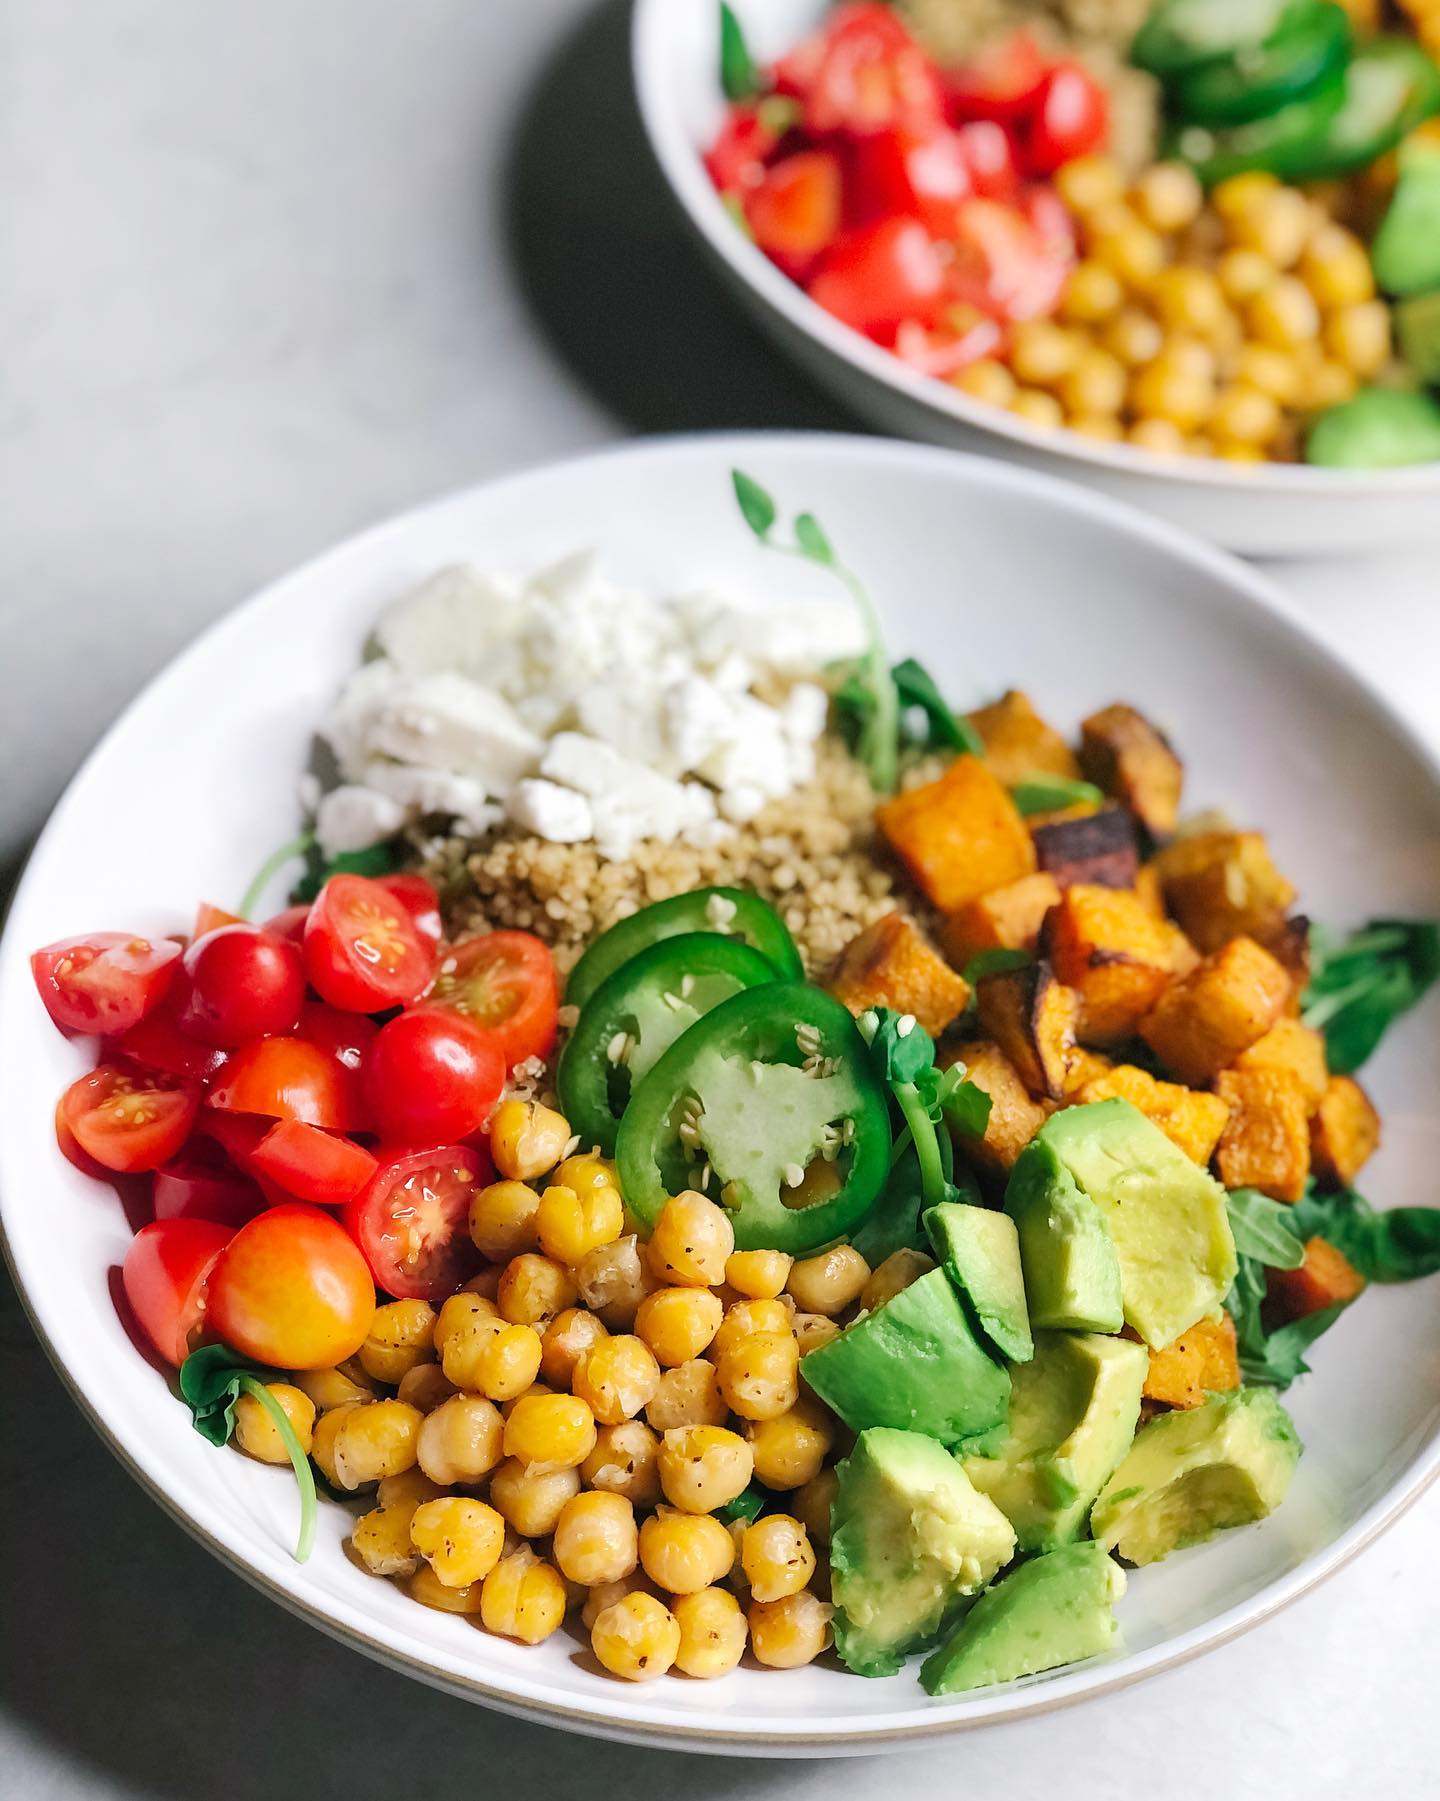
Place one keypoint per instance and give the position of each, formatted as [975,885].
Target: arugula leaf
[1046,793]
[1281,1358]
[1399,1245]
[739,74]
[374,860]
[996,962]
[946,730]
[1262,1229]
[1360,985]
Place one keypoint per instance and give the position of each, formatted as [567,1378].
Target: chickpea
[1104,428]
[746,1318]
[685,1552]
[1092,295]
[704,1467]
[1326,383]
[691,1242]
[1042,353]
[606,1594]
[625,1462]
[408,1489]
[509,1362]
[616,1378]
[502,1220]
[812,1330]
[1234,452]
[459,1538]
[1336,268]
[1240,194]
[1243,415]
[762,1275]
[522,1598]
[460,1441]
[425,1387]
[1278,224]
[464,1357]
[893,1276]
[712,1632]
[596,1539]
[790,1449]
[1284,314]
[1190,300]
[571,1225]
[688,1396]
[535,1388]
[1162,437]
[256,1433]
[333,1388]
[1273,372]
[813,1503]
[377,1439]
[550,1432]
[566,1340]
[678,1323]
[533,1289]
[830,1281]
[401,1335]
[526,1139]
[1166,389]
[759,1378]
[461,1313]
[1088,182]
[613,1280]
[485,1282]
[1095,386]
[637,1637]
[586,1173]
[1135,253]
[792,1631]
[1168,196]
[985,380]
[380,1541]
[1358,337]
[531,1501]
[1243,273]
[1133,338]
[1036,407]
[777,1557]
[427,1588]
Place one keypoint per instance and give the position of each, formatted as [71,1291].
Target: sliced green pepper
[729,912]
[1182,34]
[770,1105]
[635,1015]
[1259,79]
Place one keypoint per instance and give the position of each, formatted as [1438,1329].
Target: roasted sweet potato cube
[1131,759]
[1031,1017]
[1083,1065]
[1004,919]
[1202,1361]
[1344,1133]
[1014,1117]
[1220,885]
[1203,1022]
[1289,944]
[1098,848]
[1019,743]
[958,836]
[1290,1046]
[1266,1141]
[1325,1278]
[1189,1117]
[889,964]
[1151,889]
[1111,949]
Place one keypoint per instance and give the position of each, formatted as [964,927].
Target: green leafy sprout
[1360,985]
[739,72]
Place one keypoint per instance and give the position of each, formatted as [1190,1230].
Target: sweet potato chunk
[1121,752]
[1344,1134]
[1081,1066]
[1019,743]
[1031,1017]
[1189,1117]
[1266,1141]
[890,965]
[1289,944]
[1108,946]
[1004,919]
[1326,1277]
[1290,1046]
[1202,1024]
[958,836]
[1014,1117]
[1151,889]
[1098,848]
[1201,1362]
[1222,885]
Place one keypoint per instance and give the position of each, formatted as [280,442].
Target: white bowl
[991,575]
[1266,509]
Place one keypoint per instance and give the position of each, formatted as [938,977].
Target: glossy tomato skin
[200,1186]
[991,157]
[878,276]
[1071,118]
[129,1120]
[412,1221]
[865,73]
[1002,83]
[164,1276]
[242,982]
[106,982]
[1003,261]
[432,1077]
[363,951]
[794,211]
[290,924]
[346,1037]
[291,1290]
[420,901]
[159,1042]
[312,1165]
[921,175]
[504,982]
[290,1078]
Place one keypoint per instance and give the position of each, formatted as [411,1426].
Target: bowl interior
[993,577]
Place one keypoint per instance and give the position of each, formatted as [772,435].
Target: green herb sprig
[212,1380]
[1047,793]
[1359,986]
[739,72]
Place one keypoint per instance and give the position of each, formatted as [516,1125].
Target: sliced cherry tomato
[736,160]
[291,1290]
[237,1134]
[433,1076]
[242,982]
[875,278]
[313,1165]
[106,982]
[950,348]
[991,158]
[209,918]
[1071,118]
[1050,216]
[363,950]
[868,75]
[130,1119]
[412,1222]
[794,211]
[420,901]
[1004,264]
[165,1275]
[1002,82]
[506,982]
[290,1078]
[159,1042]
[290,924]
[200,1185]
[71,1150]
[347,1037]
[923,175]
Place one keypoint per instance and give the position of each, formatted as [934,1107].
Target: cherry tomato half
[433,1076]
[291,1290]
[1003,263]
[290,1078]
[412,1222]
[105,983]
[165,1280]
[346,1037]
[290,924]
[160,1042]
[504,981]
[242,982]
[874,278]
[200,1185]
[420,901]
[991,158]
[1071,118]
[312,1165]
[923,175]
[363,950]
[868,74]
[209,918]
[1001,82]
[794,211]
[71,1151]
[129,1119]
[736,160]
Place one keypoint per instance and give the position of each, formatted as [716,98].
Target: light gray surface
[268,273]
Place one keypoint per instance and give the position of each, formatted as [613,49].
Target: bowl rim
[679,162]
[627,1717]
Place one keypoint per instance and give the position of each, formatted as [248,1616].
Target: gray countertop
[271,272]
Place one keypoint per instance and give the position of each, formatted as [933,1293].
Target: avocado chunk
[1073,1412]
[1405,254]
[1378,428]
[1191,1475]
[910,1539]
[1053,1610]
[1166,1217]
[1417,328]
[980,1252]
[914,1364]
[1072,1275]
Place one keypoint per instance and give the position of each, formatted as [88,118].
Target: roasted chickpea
[522,1598]
[1036,407]
[566,1340]
[685,1552]
[1284,314]
[427,1588]
[550,1432]
[461,1539]
[460,1441]
[1168,196]
[401,1335]
[606,1594]
[830,1281]
[704,1467]
[376,1439]
[813,1503]
[759,1378]
[503,1220]
[759,1275]
[425,1387]
[637,1637]
[333,1388]
[461,1313]
[531,1501]
[777,1557]
[790,1449]
[614,1281]
[380,1540]
[688,1395]
[792,1631]
[571,1224]
[678,1323]
[712,1632]
[616,1378]
[746,1318]
[596,1539]
[893,1276]
[527,1139]
[256,1433]
[984,380]
[533,1289]
[625,1461]
[691,1242]
[408,1489]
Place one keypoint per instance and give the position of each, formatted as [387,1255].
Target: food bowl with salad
[769,1169]
[1178,250]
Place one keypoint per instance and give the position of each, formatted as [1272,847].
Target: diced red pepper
[923,175]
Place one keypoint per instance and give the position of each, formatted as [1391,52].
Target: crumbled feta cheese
[550,811]
[350,818]
[447,721]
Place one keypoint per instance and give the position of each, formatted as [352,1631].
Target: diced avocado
[1053,1610]
[980,1251]
[914,1364]
[1378,428]
[1072,1275]
[1073,1412]
[1190,1475]
[1166,1217]
[1405,254]
[910,1538]
[1417,329]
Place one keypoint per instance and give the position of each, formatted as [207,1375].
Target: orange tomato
[292,1290]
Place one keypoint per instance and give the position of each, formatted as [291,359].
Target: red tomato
[504,981]
[209,918]
[290,924]
[129,1119]
[311,1164]
[242,982]
[924,175]
[1004,263]
[363,950]
[737,158]
[289,1078]
[159,1042]
[346,1037]
[1071,119]
[291,1290]
[71,1151]
[1047,212]
[990,156]
[794,211]
[874,278]
[433,1076]
[868,74]
[942,353]
[105,983]
[199,1185]
[412,1222]
[164,1276]
[237,1134]
[420,901]
[1002,82]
